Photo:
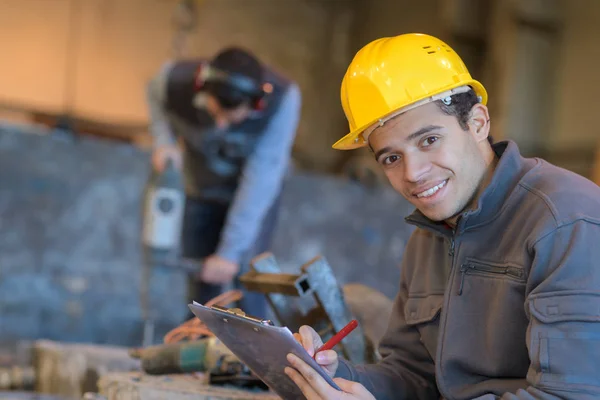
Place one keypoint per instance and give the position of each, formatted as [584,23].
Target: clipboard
[260,345]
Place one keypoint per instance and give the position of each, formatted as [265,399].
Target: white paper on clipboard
[263,348]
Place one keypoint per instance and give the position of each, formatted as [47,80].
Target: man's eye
[390,159]
[429,141]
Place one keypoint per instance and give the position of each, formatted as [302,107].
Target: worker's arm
[261,179]
[406,370]
[405,373]
[164,143]
[156,92]
[563,306]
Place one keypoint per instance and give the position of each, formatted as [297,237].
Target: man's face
[429,159]
[224,117]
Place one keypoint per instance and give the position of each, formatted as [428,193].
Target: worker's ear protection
[259,92]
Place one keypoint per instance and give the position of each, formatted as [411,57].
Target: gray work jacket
[507,306]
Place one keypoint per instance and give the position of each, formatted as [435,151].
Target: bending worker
[499,295]
[230,123]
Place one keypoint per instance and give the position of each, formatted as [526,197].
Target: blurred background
[91,59]
[74,141]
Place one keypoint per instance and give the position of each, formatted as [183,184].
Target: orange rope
[194,328]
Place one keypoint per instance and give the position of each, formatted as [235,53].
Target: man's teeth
[430,192]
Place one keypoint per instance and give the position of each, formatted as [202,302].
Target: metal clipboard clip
[238,312]
[260,345]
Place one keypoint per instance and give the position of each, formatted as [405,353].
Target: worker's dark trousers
[203,222]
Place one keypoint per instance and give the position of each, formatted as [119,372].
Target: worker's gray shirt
[262,174]
[518,314]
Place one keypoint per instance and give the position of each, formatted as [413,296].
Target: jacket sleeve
[406,370]
[563,305]
[155,98]
[261,179]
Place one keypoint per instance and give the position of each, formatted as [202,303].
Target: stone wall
[70,265]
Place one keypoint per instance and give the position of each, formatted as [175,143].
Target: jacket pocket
[422,313]
[422,309]
[473,266]
[566,339]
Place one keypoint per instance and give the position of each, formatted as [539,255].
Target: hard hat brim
[353,140]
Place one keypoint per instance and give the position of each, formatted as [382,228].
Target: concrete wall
[520,69]
[34,38]
[578,86]
[379,18]
[542,81]
[70,254]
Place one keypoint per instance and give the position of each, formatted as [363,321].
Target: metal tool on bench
[191,347]
[207,355]
[312,297]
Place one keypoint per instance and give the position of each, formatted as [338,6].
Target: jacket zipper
[473,268]
[443,315]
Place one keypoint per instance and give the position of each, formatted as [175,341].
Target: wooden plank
[134,386]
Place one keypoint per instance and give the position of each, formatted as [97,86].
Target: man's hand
[218,270]
[311,341]
[314,387]
[161,154]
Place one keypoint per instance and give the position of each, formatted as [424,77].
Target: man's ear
[479,122]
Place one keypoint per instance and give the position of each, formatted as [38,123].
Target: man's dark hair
[460,107]
[235,61]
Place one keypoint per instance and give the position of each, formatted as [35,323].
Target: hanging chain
[185,20]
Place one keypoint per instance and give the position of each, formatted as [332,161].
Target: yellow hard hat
[392,75]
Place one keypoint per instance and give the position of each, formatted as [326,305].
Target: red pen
[338,336]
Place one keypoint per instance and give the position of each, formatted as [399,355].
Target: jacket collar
[509,171]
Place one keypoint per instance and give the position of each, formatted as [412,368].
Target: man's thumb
[344,384]
[351,387]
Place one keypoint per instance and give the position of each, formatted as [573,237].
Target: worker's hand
[310,340]
[218,270]
[161,154]
[314,387]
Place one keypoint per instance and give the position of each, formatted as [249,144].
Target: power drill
[162,219]
[208,355]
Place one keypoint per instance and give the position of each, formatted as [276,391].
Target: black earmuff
[258,92]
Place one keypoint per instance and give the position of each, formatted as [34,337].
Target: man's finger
[310,339]
[307,341]
[312,377]
[326,357]
[298,337]
[304,386]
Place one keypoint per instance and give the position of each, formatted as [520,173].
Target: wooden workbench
[140,386]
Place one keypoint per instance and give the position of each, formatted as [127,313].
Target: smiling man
[500,289]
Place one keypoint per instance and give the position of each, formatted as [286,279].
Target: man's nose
[415,168]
